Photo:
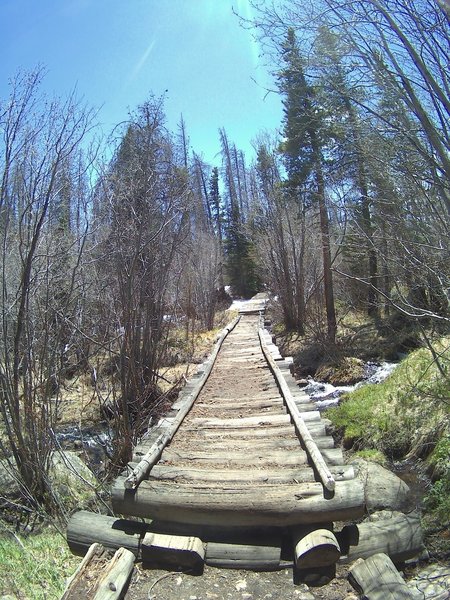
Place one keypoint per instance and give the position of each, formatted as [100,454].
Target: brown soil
[221,584]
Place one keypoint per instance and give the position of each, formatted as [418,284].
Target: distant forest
[347,210]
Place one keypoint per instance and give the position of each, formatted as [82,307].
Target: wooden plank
[147,461]
[256,421]
[230,505]
[378,579]
[242,404]
[234,457]
[202,435]
[245,476]
[311,447]
[268,444]
[173,551]
[100,580]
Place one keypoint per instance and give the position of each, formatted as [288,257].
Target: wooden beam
[85,528]
[235,505]
[243,556]
[313,451]
[173,551]
[317,549]
[142,469]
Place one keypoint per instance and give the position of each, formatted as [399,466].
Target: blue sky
[117,52]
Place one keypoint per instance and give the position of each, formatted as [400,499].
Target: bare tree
[39,139]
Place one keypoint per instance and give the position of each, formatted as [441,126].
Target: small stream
[326,395]
[94,441]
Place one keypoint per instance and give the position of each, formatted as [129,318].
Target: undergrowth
[406,416]
[35,567]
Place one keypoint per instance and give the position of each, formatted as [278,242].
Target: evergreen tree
[304,131]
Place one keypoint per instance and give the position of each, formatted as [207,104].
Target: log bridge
[241,473]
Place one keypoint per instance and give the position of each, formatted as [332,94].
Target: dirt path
[222,584]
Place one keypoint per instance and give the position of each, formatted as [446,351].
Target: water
[326,394]
[95,442]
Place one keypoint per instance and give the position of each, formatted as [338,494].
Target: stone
[72,480]
[383,489]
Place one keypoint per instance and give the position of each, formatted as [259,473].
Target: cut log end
[317,549]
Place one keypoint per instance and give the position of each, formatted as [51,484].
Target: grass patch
[407,415]
[35,567]
[373,455]
[408,410]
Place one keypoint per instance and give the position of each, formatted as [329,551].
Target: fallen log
[398,535]
[99,578]
[85,528]
[142,469]
[378,579]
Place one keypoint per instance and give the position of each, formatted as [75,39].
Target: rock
[432,582]
[71,479]
[347,371]
[9,483]
[383,489]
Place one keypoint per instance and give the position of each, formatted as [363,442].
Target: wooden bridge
[243,446]
[240,474]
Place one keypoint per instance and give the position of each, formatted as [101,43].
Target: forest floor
[221,584]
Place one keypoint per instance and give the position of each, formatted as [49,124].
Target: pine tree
[303,131]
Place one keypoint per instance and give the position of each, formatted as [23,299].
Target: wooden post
[142,469]
[313,451]
[317,549]
[378,579]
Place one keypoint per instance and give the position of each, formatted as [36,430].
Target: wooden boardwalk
[241,474]
[241,448]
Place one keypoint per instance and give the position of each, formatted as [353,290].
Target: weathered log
[245,476]
[84,528]
[268,444]
[316,549]
[378,579]
[400,537]
[146,463]
[99,578]
[173,550]
[234,505]
[234,457]
[202,435]
[243,556]
[313,451]
[263,420]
